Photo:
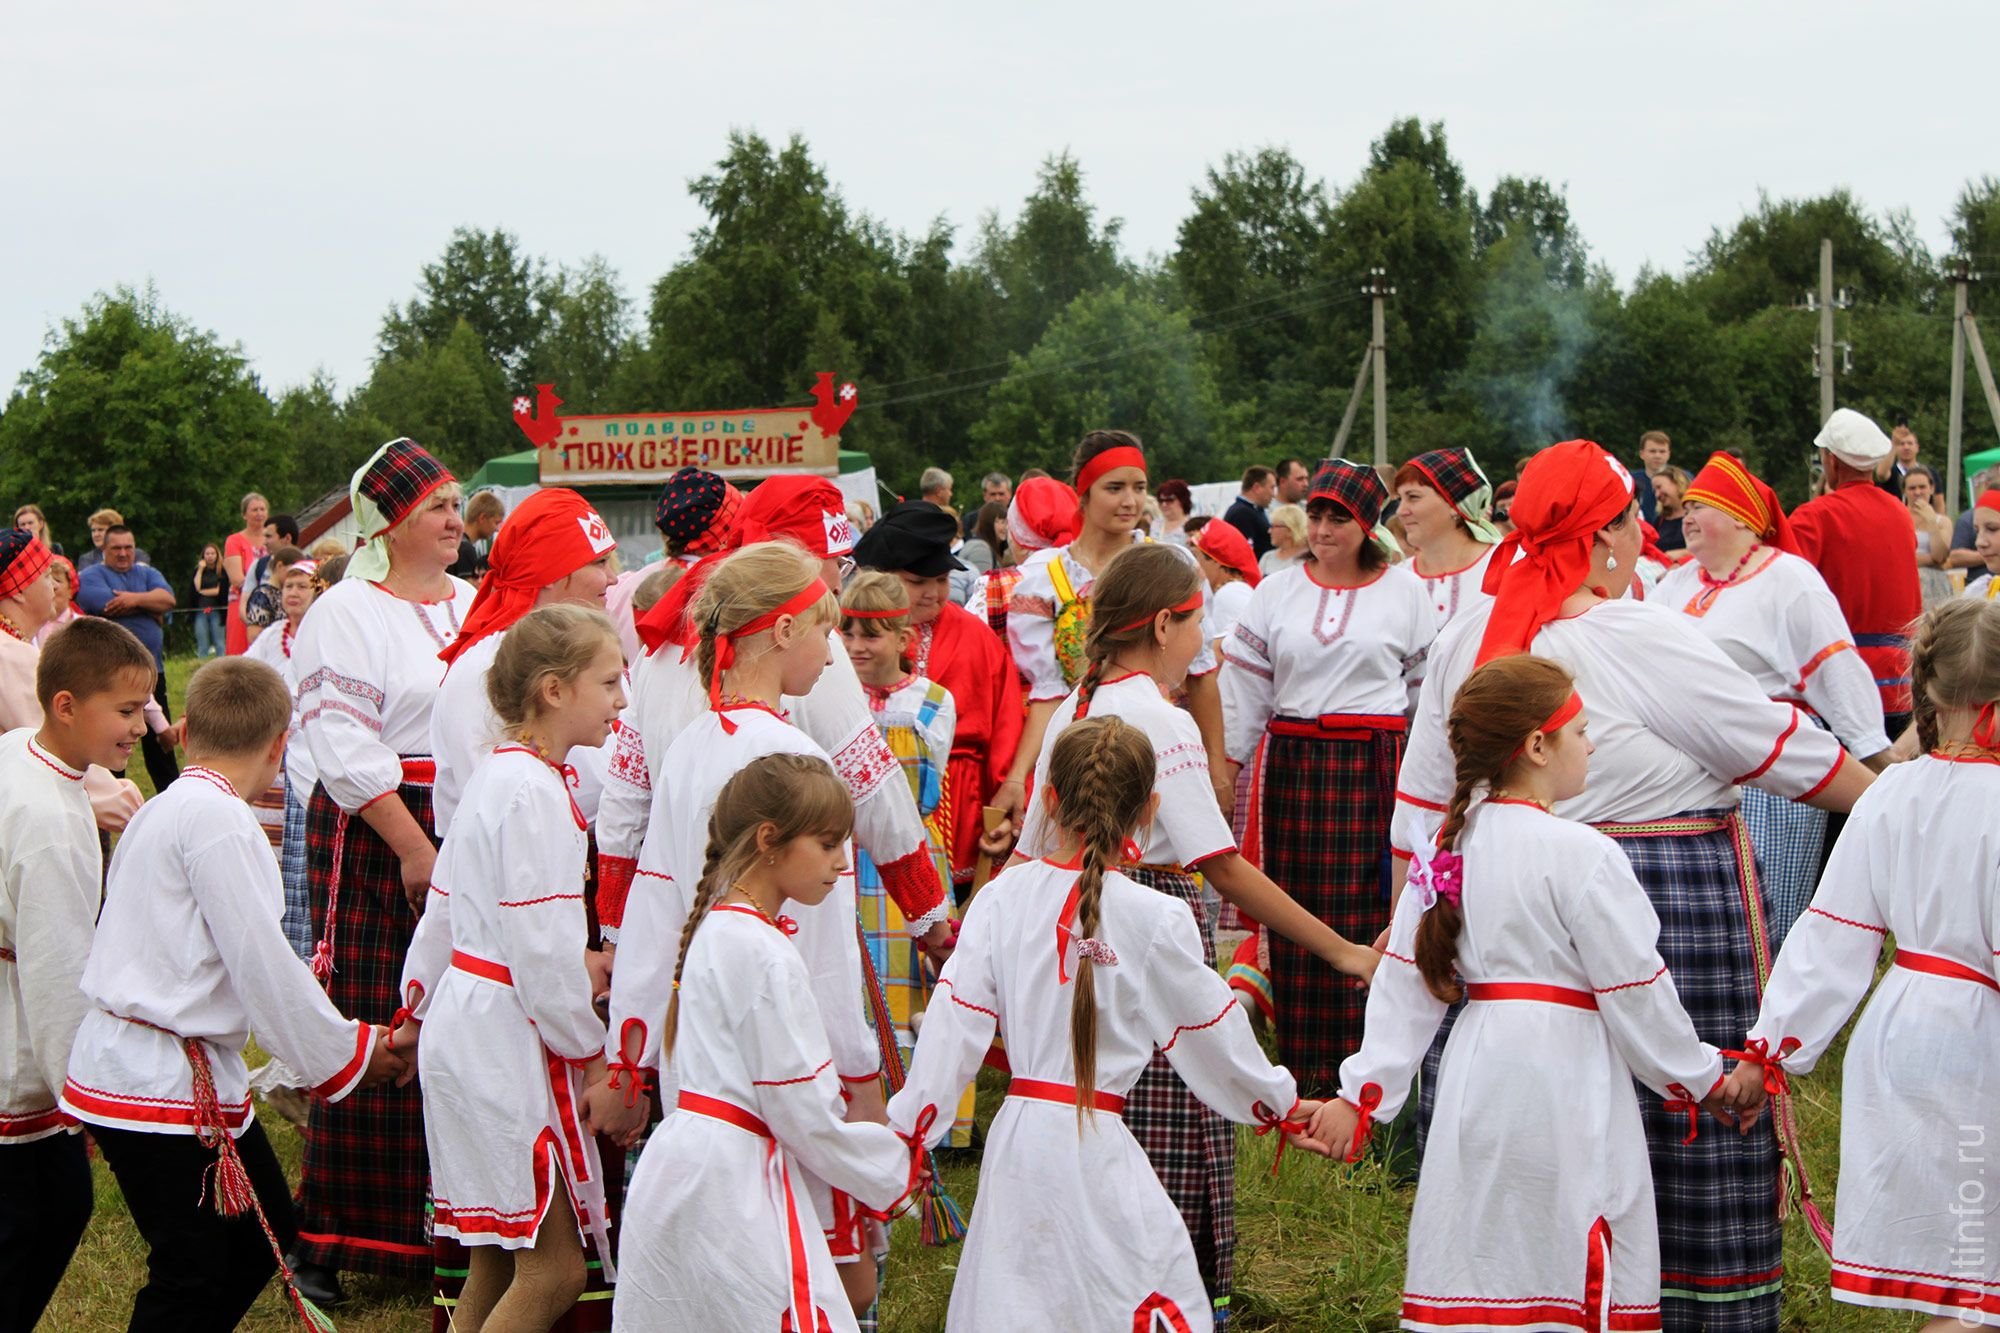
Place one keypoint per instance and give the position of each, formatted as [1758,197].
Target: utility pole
[1825,357]
[1378,290]
[1960,272]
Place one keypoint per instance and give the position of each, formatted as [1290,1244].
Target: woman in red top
[239,554]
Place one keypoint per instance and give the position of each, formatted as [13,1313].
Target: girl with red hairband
[1539,925]
[761,619]
[1986,524]
[1146,627]
[1049,616]
[1319,680]
[1751,594]
[1917,864]
[1678,727]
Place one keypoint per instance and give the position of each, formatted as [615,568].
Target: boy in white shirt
[189,960]
[93,683]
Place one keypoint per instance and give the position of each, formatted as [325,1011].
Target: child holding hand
[496,983]
[1920,861]
[1535,1202]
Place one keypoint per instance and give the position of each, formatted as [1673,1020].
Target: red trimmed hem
[1399,853]
[1826,781]
[373,799]
[859,1078]
[1632,985]
[152,1111]
[1420,802]
[363,1243]
[788,1082]
[1227,1010]
[1194,861]
[1772,758]
[1933,1295]
[337,1086]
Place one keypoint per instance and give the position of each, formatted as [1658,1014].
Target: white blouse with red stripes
[189,945]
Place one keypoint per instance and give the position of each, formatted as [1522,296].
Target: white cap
[1854,439]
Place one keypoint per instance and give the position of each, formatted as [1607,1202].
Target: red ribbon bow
[628,1063]
[786,925]
[1757,1051]
[1683,1100]
[1371,1097]
[1268,1120]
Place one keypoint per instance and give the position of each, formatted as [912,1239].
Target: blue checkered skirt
[1721,1241]
[292,865]
[1789,838]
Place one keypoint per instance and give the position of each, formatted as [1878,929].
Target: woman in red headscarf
[367,665]
[554,548]
[1677,727]
[1752,595]
[1043,513]
[1314,698]
[1049,615]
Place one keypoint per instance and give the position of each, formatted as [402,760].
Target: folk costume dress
[368,672]
[1043,513]
[496,977]
[1314,706]
[1916,863]
[1073,1228]
[916,719]
[1048,619]
[1191,1147]
[1535,1206]
[720,1232]
[1457,476]
[700,762]
[1775,617]
[1663,785]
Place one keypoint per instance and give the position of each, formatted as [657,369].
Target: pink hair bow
[1441,875]
[1098,952]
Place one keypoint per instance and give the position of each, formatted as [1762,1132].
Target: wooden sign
[647,447]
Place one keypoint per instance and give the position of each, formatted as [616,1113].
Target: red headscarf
[1223,544]
[1725,484]
[1043,513]
[549,536]
[1568,491]
[23,559]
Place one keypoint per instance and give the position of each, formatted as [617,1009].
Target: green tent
[1979,462]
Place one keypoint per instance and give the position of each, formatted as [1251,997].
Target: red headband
[725,643]
[1988,500]
[1193,603]
[1111,459]
[1551,724]
[886,613]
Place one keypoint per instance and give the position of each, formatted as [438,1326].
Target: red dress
[236,638]
[1853,537]
[959,652]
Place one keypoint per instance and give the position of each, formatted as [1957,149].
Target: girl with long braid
[762,619]
[1145,629]
[1073,1228]
[719,1233]
[1526,1218]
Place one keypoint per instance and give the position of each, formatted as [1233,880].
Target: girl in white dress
[1915,1227]
[495,982]
[1073,1228]
[1535,1204]
[719,1233]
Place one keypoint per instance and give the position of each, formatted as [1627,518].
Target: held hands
[619,1113]
[937,942]
[384,1063]
[404,1042]
[1307,1139]
[1740,1099]
[1332,1126]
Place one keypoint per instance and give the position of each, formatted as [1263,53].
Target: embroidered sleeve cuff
[921,926]
[614,883]
[911,881]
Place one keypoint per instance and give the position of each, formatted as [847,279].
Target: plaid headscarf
[386,489]
[698,510]
[23,559]
[1453,474]
[1356,488]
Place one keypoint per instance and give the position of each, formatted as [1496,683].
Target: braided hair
[1137,585]
[1102,772]
[1954,661]
[791,795]
[1494,712]
[748,583]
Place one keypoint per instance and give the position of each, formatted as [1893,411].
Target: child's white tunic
[718,1231]
[1535,1205]
[496,974]
[189,946]
[1917,1225]
[1072,1229]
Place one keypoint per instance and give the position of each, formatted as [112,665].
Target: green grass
[1320,1247]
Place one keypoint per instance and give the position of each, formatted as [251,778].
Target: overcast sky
[280,171]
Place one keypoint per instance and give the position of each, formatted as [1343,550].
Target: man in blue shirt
[137,597]
[1246,511]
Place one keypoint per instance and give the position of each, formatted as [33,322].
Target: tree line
[999,348]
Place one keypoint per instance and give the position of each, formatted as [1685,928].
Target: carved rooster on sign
[542,425]
[831,410]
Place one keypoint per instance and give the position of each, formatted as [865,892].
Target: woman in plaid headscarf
[367,666]
[1314,699]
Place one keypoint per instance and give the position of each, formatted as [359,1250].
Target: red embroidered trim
[550,898]
[614,885]
[1632,985]
[212,778]
[788,1082]
[1227,1010]
[978,1008]
[911,881]
[61,769]
[1858,925]
[1390,953]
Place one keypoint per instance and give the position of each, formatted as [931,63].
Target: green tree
[586,336]
[450,397]
[1658,362]
[323,436]
[1538,213]
[1114,358]
[1771,258]
[1054,252]
[484,280]
[130,405]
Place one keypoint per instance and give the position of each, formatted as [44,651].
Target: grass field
[1320,1246]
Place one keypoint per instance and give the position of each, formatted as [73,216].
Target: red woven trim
[911,882]
[1227,1010]
[1390,953]
[546,898]
[1858,925]
[614,884]
[788,1082]
[1632,985]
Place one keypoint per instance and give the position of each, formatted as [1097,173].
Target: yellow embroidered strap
[1072,622]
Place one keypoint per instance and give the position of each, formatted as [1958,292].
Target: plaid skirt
[1789,838]
[292,865]
[365,1179]
[1722,1252]
[1192,1149]
[1324,831]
